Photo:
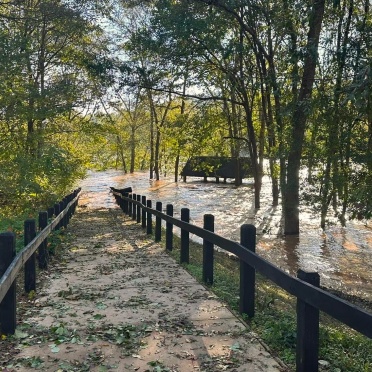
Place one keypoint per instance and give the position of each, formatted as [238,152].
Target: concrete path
[118,302]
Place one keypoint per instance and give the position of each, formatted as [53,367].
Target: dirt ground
[117,301]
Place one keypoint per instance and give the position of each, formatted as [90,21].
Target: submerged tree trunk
[157,154]
[152,119]
[256,164]
[267,118]
[299,118]
[333,185]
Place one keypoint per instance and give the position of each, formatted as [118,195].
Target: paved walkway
[118,302]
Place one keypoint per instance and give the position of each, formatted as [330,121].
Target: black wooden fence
[11,264]
[310,298]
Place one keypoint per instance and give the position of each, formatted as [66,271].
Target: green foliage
[251,60]
[30,183]
[339,344]
[45,82]
[361,196]
[15,224]
[141,75]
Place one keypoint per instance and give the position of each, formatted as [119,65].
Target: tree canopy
[150,83]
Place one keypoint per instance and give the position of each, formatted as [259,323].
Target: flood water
[342,256]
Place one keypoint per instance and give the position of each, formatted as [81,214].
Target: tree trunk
[121,152]
[267,117]
[157,154]
[132,149]
[299,118]
[182,112]
[176,167]
[256,165]
[335,156]
[152,120]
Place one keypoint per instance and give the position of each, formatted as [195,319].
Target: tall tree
[47,59]
[299,119]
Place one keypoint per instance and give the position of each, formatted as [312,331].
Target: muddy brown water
[342,256]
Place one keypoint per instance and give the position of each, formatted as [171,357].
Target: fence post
[143,211]
[130,205]
[125,203]
[149,218]
[119,201]
[66,217]
[169,229]
[8,304]
[30,264]
[307,329]
[43,253]
[75,194]
[50,212]
[138,209]
[208,251]
[247,272]
[61,208]
[56,213]
[185,243]
[134,208]
[158,222]
[69,211]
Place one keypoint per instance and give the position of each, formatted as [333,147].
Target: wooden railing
[11,263]
[310,298]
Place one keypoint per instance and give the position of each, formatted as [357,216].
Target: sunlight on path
[117,301]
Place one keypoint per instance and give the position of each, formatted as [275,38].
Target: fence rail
[11,264]
[310,298]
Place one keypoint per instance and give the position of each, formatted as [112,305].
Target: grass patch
[16,225]
[341,348]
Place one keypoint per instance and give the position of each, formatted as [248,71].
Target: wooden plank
[307,329]
[169,229]
[158,222]
[30,265]
[247,272]
[8,306]
[185,237]
[149,217]
[143,202]
[208,251]
[43,251]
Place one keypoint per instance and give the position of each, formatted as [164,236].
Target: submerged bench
[218,167]
[121,191]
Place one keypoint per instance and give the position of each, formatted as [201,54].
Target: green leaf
[99,316]
[20,335]
[54,348]
[235,347]
[101,306]
[36,362]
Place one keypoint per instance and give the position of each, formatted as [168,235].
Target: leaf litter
[118,302]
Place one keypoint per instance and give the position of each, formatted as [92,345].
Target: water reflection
[342,256]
